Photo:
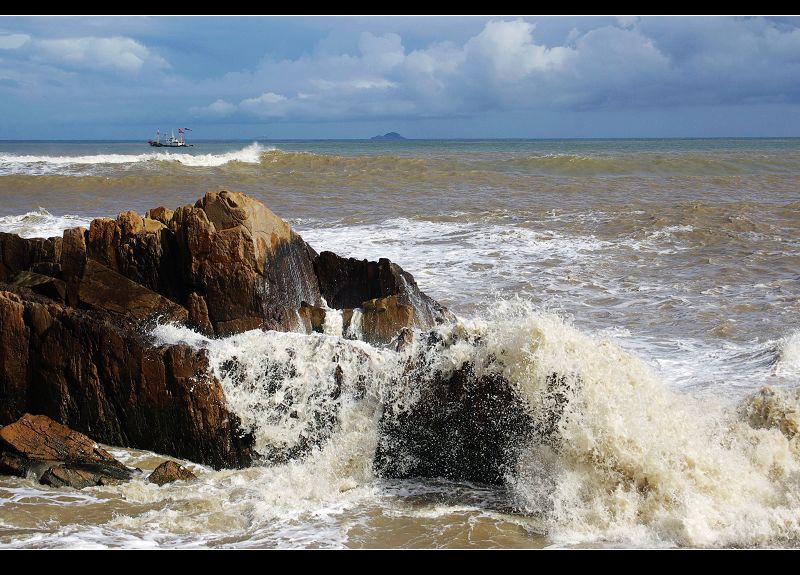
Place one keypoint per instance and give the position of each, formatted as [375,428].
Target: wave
[426,165]
[41,224]
[31,164]
[787,360]
[629,460]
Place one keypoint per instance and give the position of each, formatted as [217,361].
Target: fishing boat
[172,141]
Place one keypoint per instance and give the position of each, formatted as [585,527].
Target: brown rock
[101,376]
[104,289]
[19,254]
[313,317]
[347,283]
[44,285]
[170,471]
[73,258]
[252,269]
[198,314]
[382,318]
[13,357]
[39,438]
[13,464]
[160,214]
[66,476]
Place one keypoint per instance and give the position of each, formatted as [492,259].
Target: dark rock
[101,376]
[19,254]
[73,258]
[44,285]
[462,427]
[14,335]
[348,283]
[104,289]
[170,471]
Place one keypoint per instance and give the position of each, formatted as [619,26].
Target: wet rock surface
[74,343]
[170,471]
[58,454]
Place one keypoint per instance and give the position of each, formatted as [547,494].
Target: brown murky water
[664,274]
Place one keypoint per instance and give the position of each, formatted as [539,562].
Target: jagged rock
[44,285]
[161,214]
[19,254]
[225,265]
[101,376]
[66,456]
[104,289]
[313,317]
[198,314]
[170,471]
[73,259]
[67,476]
[389,296]
[253,270]
[462,427]
[383,318]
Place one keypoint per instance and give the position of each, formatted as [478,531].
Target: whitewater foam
[41,224]
[40,165]
[625,459]
[788,356]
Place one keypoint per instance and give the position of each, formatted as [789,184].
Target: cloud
[119,54]
[219,109]
[13,41]
[630,62]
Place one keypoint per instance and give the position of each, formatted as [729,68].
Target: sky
[425,77]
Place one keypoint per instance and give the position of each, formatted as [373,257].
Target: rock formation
[170,471]
[73,309]
[57,454]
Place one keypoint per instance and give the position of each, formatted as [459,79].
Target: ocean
[663,275]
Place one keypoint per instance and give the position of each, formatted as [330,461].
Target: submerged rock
[61,455]
[170,471]
[462,427]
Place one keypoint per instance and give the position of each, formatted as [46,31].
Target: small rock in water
[170,471]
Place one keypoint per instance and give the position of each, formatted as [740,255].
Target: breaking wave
[30,164]
[625,459]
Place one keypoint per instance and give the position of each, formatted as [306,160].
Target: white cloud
[119,53]
[637,62]
[219,109]
[13,41]
[510,52]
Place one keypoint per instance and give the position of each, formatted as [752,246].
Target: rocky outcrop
[72,311]
[229,260]
[462,427]
[97,373]
[170,471]
[388,296]
[104,289]
[59,455]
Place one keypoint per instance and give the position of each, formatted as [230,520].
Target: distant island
[389,136]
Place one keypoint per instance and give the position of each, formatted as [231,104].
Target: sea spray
[616,457]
